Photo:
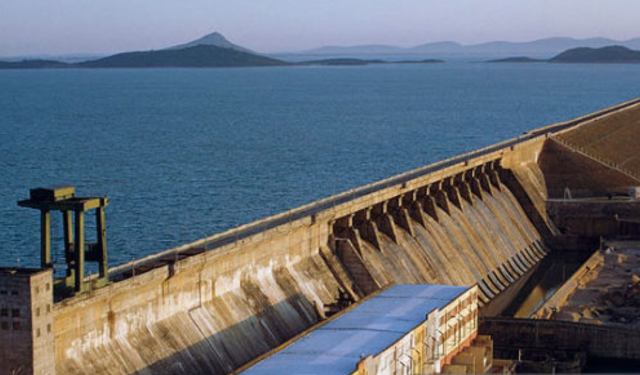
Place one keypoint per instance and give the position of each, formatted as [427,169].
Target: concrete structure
[554,336]
[76,251]
[405,329]
[592,218]
[579,277]
[219,303]
[26,322]
[604,291]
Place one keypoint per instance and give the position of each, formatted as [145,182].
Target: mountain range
[538,48]
[214,50]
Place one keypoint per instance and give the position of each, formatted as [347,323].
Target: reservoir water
[186,153]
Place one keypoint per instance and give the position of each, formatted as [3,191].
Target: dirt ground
[609,294]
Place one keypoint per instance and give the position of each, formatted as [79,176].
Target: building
[405,329]
[26,322]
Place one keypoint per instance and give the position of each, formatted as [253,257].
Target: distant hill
[611,54]
[64,58]
[519,59]
[372,49]
[360,62]
[542,48]
[214,39]
[427,61]
[200,56]
[33,64]
[341,62]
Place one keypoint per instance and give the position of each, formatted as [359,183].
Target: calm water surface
[186,153]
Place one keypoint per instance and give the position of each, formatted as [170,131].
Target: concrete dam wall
[216,304]
[462,234]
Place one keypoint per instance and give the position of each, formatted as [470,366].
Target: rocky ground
[610,294]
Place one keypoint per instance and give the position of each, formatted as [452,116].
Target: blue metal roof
[336,347]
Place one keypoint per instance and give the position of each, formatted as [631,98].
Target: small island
[427,61]
[33,64]
[584,55]
[519,59]
[200,56]
[610,55]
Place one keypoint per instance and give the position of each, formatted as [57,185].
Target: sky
[55,27]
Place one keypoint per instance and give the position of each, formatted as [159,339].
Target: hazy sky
[100,26]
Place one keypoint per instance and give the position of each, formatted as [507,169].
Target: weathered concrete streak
[523,176]
[490,240]
[211,314]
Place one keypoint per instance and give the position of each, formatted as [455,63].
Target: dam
[484,219]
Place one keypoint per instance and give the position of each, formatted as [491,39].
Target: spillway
[486,239]
[216,311]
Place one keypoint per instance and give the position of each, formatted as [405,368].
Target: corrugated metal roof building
[386,333]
